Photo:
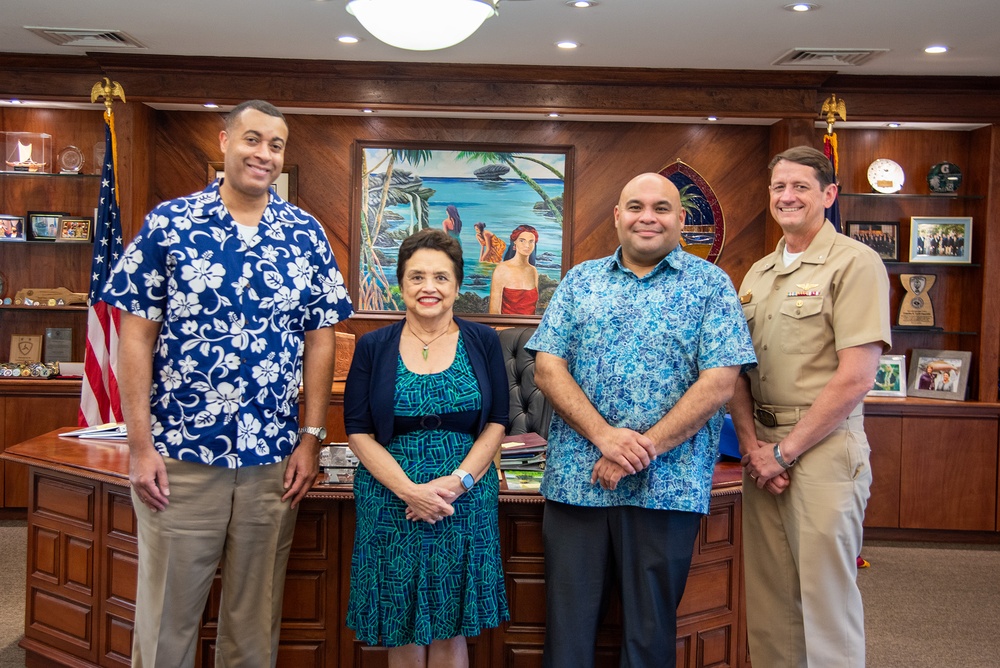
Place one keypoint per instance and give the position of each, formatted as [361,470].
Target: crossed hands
[431,501]
[763,469]
[624,452]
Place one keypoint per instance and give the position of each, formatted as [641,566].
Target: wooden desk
[81,573]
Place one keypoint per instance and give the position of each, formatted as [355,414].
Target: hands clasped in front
[623,452]
[764,469]
[431,502]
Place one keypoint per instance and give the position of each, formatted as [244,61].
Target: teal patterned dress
[414,582]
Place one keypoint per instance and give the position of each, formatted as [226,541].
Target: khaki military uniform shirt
[833,296]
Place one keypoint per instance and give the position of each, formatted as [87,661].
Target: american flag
[99,401]
[830,150]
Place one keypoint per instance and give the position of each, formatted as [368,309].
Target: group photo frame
[881,236]
[75,229]
[505,205]
[940,240]
[890,377]
[11,228]
[939,374]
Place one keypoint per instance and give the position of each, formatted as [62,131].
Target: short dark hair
[430,239]
[810,157]
[257,105]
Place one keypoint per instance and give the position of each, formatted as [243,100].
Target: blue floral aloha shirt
[635,346]
[228,363]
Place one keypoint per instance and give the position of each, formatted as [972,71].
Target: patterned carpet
[13,552]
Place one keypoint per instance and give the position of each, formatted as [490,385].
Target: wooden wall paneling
[948,473]
[27,417]
[47,77]
[885,436]
[984,179]
[134,134]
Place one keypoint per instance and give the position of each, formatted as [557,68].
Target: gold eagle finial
[832,107]
[109,90]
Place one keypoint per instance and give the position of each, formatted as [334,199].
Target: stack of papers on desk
[523,452]
[112,430]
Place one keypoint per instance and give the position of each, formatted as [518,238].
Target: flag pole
[832,107]
[100,402]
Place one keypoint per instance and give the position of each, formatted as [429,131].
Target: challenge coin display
[885,176]
[944,177]
[70,160]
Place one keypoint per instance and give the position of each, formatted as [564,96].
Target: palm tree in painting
[374,291]
[510,159]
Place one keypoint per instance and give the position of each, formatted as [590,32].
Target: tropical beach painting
[504,204]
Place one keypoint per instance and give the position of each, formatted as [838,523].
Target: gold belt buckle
[765,417]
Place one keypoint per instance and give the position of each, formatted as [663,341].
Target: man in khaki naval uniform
[818,312]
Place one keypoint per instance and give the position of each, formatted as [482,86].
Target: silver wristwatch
[781,460]
[318,432]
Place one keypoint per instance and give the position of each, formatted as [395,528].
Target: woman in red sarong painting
[514,288]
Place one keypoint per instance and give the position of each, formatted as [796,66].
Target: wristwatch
[781,460]
[467,480]
[318,432]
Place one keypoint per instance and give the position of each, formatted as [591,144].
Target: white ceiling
[701,34]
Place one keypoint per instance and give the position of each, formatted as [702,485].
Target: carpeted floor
[926,605]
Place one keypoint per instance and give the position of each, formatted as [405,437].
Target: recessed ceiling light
[893,125]
[801,7]
[567,45]
[581,4]
[367,111]
[210,105]
[14,101]
[554,115]
[936,48]
[348,39]
[711,118]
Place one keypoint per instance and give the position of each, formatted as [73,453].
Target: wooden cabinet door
[885,438]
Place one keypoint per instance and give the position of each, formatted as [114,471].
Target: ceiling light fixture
[936,48]
[711,118]
[893,125]
[554,114]
[348,39]
[567,45]
[422,25]
[367,111]
[801,7]
[581,4]
[210,105]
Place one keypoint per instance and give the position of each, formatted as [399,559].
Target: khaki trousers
[804,608]
[216,514]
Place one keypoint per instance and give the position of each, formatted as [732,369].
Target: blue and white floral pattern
[635,346]
[228,363]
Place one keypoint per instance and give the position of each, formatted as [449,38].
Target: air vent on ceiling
[828,57]
[91,39]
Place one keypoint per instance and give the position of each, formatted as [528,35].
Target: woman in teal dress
[425,407]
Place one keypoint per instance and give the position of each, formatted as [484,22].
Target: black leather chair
[529,410]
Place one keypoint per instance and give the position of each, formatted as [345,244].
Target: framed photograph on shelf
[286,186]
[881,237]
[11,228]
[940,240]
[939,374]
[75,230]
[44,225]
[504,204]
[890,377]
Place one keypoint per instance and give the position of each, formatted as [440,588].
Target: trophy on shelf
[916,310]
[26,151]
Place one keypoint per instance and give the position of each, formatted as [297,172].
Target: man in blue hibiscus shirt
[637,352]
[228,299]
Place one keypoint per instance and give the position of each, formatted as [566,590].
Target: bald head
[649,218]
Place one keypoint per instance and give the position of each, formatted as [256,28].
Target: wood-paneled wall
[732,159]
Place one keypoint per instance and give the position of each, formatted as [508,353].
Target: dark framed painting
[939,374]
[286,186]
[505,204]
[881,237]
[940,240]
[44,225]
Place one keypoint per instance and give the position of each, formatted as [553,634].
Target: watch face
[885,176]
[944,177]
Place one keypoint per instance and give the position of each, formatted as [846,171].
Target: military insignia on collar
[747,298]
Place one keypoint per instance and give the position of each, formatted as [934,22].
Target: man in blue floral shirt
[637,352]
[224,294]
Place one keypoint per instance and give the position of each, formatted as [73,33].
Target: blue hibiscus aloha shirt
[635,346]
[228,363]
